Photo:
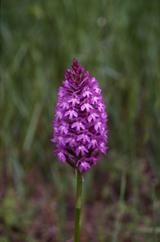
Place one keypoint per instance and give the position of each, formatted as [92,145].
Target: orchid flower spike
[80,123]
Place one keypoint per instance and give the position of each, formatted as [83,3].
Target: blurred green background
[119,43]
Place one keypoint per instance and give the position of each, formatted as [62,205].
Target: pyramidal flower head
[80,123]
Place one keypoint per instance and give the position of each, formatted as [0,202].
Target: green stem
[78,206]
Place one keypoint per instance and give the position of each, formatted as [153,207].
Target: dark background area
[119,43]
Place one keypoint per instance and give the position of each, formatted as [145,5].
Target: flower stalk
[79,189]
[80,131]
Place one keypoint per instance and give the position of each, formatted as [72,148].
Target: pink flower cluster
[80,124]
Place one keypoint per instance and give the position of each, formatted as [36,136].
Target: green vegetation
[119,43]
